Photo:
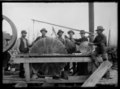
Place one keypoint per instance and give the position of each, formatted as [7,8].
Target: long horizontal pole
[58,25]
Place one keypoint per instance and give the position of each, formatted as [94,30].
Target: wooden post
[91,19]
[27,71]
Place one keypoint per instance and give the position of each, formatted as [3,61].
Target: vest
[22,47]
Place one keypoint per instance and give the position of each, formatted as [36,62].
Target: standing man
[36,66]
[71,48]
[60,33]
[101,42]
[22,47]
[81,67]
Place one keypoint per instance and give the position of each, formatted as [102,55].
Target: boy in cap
[101,42]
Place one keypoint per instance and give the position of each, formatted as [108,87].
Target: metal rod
[58,25]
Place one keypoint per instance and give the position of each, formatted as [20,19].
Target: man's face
[24,35]
[82,34]
[71,34]
[60,34]
[43,33]
[99,32]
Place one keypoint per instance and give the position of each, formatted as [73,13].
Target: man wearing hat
[82,39]
[71,48]
[81,67]
[22,47]
[60,33]
[43,32]
[101,42]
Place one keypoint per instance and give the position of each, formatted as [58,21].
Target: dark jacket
[22,48]
[101,42]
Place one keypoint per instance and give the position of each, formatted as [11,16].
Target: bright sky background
[74,15]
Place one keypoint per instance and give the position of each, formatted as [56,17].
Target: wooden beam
[97,75]
[27,71]
[51,59]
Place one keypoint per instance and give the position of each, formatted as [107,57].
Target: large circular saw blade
[48,46]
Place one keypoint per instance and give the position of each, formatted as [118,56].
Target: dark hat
[23,31]
[82,32]
[100,28]
[60,31]
[70,32]
[43,29]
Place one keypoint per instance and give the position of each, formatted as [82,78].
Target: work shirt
[101,42]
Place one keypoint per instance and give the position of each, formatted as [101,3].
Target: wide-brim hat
[60,31]
[70,32]
[23,31]
[82,32]
[100,28]
[43,29]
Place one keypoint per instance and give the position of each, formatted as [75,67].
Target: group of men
[100,42]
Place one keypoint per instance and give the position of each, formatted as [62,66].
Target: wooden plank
[53,55]
[27,71]
[72,79]
[97,75]
[51,60]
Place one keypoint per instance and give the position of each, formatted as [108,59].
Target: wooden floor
[10,79]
